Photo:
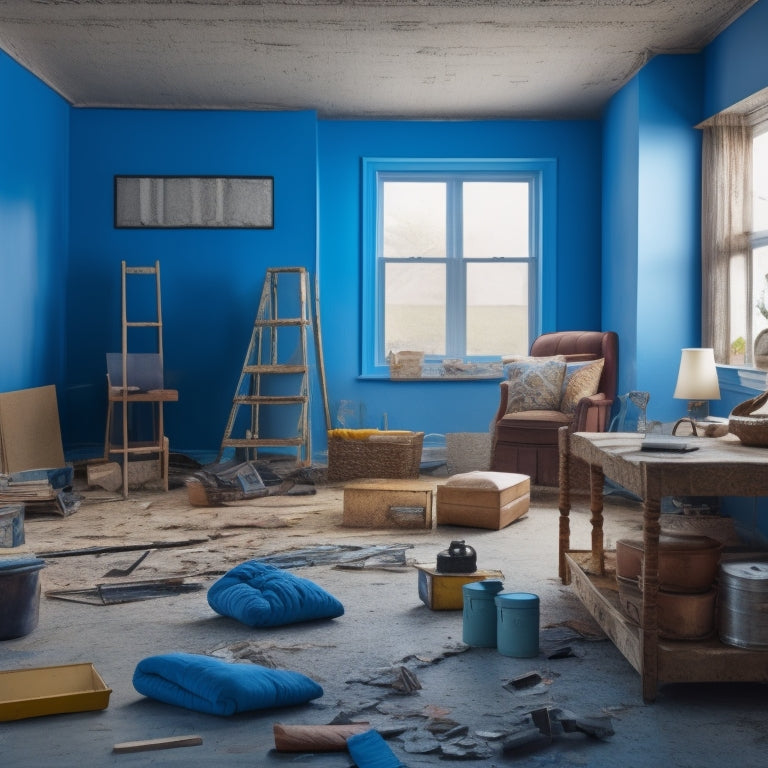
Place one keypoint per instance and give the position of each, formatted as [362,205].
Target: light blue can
[517,624]
[479,627]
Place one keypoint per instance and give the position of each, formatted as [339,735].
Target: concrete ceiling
[430,59]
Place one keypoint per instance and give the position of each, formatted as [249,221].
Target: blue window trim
[544,170]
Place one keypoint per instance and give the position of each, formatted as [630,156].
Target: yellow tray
[51,691]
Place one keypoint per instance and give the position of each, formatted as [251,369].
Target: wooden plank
[600,600]
[163,743]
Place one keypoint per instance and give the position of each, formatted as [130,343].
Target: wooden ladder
[139,379]
[273,387]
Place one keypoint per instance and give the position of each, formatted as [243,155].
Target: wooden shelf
[679,661]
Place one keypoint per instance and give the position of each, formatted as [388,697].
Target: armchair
[526,441]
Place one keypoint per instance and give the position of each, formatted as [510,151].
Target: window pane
[760,182]
[739,344]
[496,220]
[414,308]
[497,309]
[414,220]
[760,293]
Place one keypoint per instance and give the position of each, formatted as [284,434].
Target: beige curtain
[725,222]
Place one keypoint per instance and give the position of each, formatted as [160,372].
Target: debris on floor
[342,555]
[170,742]
[543,726]
[121,548]
[217,484]
[41,490]
[126,592]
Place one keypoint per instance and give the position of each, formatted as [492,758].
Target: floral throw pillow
[582,382]
[535,385]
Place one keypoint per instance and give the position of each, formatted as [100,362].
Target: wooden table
[720,467]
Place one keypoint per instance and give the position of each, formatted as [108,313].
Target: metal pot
[686,563]
[679,616]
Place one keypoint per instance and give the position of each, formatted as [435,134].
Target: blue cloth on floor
[369,750]
[261,595]
[219,687]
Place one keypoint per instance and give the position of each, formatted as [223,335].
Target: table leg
[650,587]
[564,504]
[596,482]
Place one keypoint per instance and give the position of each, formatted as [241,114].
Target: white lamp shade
[697,377]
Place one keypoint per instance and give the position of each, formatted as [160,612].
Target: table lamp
[697,383]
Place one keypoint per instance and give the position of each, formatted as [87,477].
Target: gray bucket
[479,617]
[19,596]
[743,605]
[517,624]
[12,525]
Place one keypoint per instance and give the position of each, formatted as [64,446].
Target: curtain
[725,223]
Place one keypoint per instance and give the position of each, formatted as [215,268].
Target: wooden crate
[380,503]
[483,499]
[443,591]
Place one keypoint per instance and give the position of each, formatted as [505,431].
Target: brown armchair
[526,442]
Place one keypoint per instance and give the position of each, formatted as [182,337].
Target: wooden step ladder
[274,382]
[137,378]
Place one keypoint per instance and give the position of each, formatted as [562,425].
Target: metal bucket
[743,605]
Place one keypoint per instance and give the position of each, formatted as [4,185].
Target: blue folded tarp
[217,687]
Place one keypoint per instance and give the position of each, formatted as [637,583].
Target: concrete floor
[385,625]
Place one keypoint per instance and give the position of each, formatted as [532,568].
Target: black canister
[458,558]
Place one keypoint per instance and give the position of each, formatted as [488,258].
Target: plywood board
[30,434]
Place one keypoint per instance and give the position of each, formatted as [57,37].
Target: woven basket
[384,455]
[748,425]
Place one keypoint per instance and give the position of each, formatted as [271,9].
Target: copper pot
[686,563]
[679,616]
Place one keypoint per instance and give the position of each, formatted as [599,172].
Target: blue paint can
[479,618]
[517,624]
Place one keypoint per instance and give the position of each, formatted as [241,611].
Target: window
[735,238]
[451,259]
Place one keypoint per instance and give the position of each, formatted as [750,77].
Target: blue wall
[737,61]
[34,214]
[439,407]
[211,279]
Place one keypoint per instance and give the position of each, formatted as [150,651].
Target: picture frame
[193,202]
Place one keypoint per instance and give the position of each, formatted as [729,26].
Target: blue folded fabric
[218,687]
[369,750]
[261,595]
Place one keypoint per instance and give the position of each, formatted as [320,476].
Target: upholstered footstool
[483,499]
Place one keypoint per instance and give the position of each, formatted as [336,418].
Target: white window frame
[539,172]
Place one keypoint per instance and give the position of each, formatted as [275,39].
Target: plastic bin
[19,596]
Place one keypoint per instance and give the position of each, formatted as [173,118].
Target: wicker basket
[378,455]
[748,422]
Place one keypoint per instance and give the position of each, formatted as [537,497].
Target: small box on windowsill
[483,499]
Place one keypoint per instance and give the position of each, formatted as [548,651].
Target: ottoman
[483,499]
[388,503]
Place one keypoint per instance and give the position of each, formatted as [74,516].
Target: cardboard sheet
[30,434]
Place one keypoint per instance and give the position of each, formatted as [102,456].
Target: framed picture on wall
[194,202]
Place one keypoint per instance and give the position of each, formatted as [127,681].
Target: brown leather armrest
[591,413]
[503,400]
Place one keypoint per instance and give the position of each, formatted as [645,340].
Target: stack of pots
[688,568]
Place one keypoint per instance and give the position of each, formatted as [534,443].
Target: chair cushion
[218,687]
[531,427]
[535,385]
[581,381]
[261,595]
